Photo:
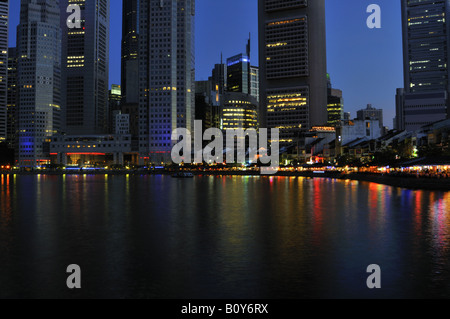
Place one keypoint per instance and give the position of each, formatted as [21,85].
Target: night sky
[365,63]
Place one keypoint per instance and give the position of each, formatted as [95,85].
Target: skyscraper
[4,16]
[39,79]
[130,47]
[12,98]
[426,57]
[293,71]
[218,78]
[254,82]
[335,104]
[238,72]
[114,108]
[85,58]
[240,111]
[130,66]
[166,75]
[335,107]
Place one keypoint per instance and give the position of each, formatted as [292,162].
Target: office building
[238,71]
[114,108]
[85,58]
[122,124]
[204,99]
[426,60]
[240,111]
[167,75]
[335,107]
[91,151]
[218,78]
[254,82]
[292,62]
[371,113]
[39,79]
[335,104]
[12,98]
[130,47]
[4,16]
[130,66]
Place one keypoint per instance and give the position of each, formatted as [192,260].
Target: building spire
[249,44]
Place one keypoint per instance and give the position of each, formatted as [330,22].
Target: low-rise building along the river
[92,150]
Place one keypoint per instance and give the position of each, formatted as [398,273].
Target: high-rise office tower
[39,79]
[130,47]
[4,16]
[293,70]
[426,58]
[335,104]
[166,75]
[85,58]
[254,82]
[12,98]
[238,72]
[216,88]
[130,65]
[335,107]
[240,111]
[218,78]
[114,100]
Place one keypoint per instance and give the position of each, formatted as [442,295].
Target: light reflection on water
[220,237]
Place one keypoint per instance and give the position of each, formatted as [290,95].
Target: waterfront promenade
[421,181]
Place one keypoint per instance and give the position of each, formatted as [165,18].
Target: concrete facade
[293,66]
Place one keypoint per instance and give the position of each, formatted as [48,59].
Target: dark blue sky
[365,63]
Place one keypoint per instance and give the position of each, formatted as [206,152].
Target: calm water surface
[220,237]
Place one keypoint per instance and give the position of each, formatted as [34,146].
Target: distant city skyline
[366,64]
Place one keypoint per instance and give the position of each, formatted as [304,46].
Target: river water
[220,237]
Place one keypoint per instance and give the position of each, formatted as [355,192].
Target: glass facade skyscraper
[12,98]
[426,36]
[426,57]
[238,72]
[4,17]
[130,48]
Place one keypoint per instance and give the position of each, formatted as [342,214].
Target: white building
[39,79]
[364,130]
[166,75]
